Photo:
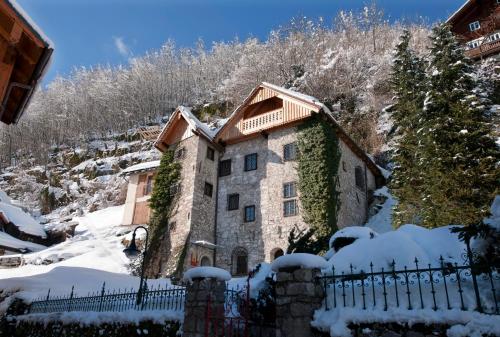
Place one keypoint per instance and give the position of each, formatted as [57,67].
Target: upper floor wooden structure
[477,25]
[24,56]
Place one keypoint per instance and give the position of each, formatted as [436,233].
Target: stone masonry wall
[180,220]
[264,189]
[232,231]
[203,208]
[354,201]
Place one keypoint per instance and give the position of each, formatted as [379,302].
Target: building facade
[477,26]
[238,200]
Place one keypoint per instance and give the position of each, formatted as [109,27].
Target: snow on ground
[403,245]
[93,256]
[382,221]
[464,323]
[22,220]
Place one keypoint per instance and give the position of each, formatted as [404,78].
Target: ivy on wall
[161,203]
[318,165]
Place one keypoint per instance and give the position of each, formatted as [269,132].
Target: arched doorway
[205,261]
[275,253]
[240,261]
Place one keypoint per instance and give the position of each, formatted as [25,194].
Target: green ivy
[162,200]
[318,165]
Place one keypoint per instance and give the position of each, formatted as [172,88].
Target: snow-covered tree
[408,83]
[459,153]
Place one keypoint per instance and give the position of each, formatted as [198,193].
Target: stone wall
[298,295]
[180,219]
[354,201]
[232,231]
[264,189]
[203,208]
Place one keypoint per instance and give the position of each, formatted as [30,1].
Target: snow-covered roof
[8,241]
[209,131]
[22,220]
[147,166]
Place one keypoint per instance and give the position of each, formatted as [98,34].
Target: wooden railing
[484,49]
[260,122]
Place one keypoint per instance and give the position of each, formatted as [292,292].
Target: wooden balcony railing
[484,49]
[263,121]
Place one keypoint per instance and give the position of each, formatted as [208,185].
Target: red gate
[229,318]
[237,316]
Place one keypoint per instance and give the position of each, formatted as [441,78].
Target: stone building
[237,198]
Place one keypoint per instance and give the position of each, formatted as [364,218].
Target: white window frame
[473,26]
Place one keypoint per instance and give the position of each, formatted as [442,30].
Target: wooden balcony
[484,50]
[262,121]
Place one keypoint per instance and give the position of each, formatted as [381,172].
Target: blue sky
[90,32]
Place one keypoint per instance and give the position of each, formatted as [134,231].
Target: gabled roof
[315,105]
[194,123]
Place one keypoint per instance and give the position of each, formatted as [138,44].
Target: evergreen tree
[459,153]
[408,84]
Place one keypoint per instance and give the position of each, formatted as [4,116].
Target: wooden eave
[240,110]
[24,56]
[461,11]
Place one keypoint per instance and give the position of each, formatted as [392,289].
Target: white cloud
[121,46]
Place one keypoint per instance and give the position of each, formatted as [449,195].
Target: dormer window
[474,26]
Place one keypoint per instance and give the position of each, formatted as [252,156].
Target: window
[495,36]
[344,166]
[225,168]
[149,185]
[210,153]
[205,261]
[250,213]
[240,261]
[275,253]
[173,225]
[175,189]
[180,153]
[251,162]
[359,177]
[289,190]
[209,188]
[290,151]
[290,207]
[474,26]
[233,202]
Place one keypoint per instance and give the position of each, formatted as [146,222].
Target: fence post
[473,274]
[102,297]
[205,297]
[70,298]
[298,294]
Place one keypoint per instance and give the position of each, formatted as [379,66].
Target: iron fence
[161,298]
[445,287]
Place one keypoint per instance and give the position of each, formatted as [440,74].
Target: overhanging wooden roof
[463,9]
[24,55]
[308,105]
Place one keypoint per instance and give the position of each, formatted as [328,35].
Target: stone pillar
[195,311]
[298,295]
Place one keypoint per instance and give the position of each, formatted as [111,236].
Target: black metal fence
[446,287]
[168,298]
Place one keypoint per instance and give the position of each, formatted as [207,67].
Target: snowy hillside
[93,256]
